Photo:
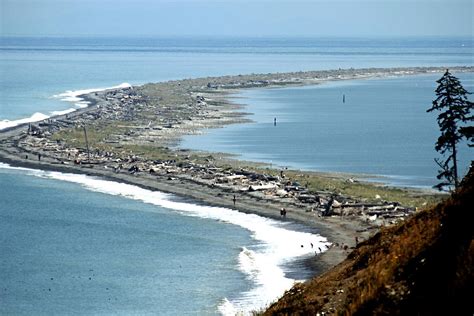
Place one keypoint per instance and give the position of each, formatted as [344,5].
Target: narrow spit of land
[130,137]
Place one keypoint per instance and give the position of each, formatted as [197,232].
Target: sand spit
[129,132]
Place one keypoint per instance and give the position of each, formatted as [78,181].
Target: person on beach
[283,212]
[39,157]
[275,121]
[328,207]
[234,199]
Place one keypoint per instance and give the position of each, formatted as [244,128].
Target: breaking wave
[68,96]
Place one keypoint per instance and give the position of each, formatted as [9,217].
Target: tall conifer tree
[455,111]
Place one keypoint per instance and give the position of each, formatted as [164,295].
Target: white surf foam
[74,95]
[262,264]
[34,118]
[56,113]
[68,96]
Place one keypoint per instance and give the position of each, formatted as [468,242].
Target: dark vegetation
[455,111]
[423,266]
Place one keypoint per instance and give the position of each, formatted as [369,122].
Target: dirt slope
[423,266]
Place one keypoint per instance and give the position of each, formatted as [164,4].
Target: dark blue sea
[73,244]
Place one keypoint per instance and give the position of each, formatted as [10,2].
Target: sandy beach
[130,137]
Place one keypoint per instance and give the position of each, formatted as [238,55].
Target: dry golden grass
[423,266]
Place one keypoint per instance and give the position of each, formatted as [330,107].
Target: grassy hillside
[423,266]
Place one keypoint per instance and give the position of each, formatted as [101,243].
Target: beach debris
[151,119]
[262,187]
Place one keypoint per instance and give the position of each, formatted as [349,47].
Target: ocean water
[381,129]
[73,244]
[36,72]
[144,252]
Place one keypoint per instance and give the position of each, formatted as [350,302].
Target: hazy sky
[237,17]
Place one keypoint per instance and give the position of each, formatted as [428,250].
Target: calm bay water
[381,129]
[146,253]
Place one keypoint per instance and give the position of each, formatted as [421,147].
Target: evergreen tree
[455,111]
[468,132]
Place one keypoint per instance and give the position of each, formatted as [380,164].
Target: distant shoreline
[129,130]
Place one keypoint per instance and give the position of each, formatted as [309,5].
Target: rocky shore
[128,135]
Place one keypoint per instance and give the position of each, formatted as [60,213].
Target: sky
[343,18]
